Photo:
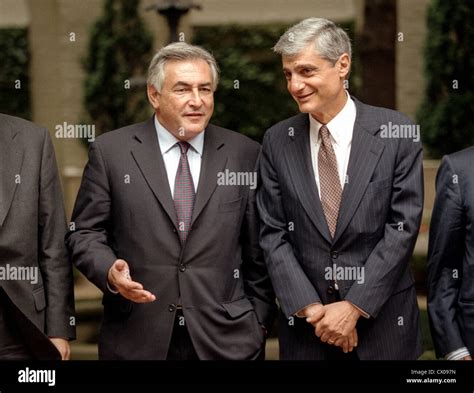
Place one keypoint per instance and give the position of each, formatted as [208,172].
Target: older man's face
[315,83]
[186,101]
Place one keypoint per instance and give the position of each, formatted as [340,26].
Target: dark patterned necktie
[183,193]
[329,183]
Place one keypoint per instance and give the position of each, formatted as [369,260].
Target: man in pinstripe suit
[340,202]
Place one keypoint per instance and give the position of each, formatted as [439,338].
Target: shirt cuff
[364,314]
[300,314]
[112,290]
[458,354]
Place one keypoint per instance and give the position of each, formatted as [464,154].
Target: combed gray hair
[179,51]
[330,41]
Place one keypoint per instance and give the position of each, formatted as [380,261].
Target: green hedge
[119,50]
[14,67]
[445,115]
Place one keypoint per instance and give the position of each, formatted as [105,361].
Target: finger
[325,337]
[351,341]
[339,342]
[141,296]
[356,338]
[319,330]
[123,284]
[346,346]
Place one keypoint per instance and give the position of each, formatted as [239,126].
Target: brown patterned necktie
[329,183]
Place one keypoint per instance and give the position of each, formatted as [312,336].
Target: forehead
[187,69]
[307,56]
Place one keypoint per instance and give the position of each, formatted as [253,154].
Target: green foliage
[14,67]
[445,115]
[252,94]
[119,50]
[252,91]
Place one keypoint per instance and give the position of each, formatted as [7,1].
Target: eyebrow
[185,84]
[301,66]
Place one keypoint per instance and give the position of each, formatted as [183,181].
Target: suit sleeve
[53,261]
[258,286]
[391,256]
[88,241]
[283,267]
[445,255]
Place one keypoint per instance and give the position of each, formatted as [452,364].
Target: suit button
[171,308]
[182,268]
[174,230]
[330,289]
[334,254]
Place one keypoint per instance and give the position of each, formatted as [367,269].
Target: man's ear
[153,96]
[344,65]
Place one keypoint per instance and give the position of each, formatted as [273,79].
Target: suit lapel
[298,157]
[213,160]
[147,155]
[366,150]
[11,154]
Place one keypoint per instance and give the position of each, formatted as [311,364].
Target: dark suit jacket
[32,229]
[384,189]
[219,274]
[451,255]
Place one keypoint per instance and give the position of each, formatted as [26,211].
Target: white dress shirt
[171,154]
[340,129]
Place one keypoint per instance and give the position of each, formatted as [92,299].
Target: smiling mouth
[304,97]
[194,115]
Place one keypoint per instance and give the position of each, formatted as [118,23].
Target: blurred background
[83,63]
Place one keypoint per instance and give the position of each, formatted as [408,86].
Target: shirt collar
[338,126]
[167,140]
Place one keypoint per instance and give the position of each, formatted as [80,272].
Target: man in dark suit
[166,218]
[36,290]
[451,258]
[341,202]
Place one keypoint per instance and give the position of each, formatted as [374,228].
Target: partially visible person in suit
[167,226]
[36,288]
[451,258]
[340,202]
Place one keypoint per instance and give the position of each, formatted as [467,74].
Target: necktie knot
[324,133]
[184,147]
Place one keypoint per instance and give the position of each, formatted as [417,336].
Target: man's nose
[295,84]
[195,98]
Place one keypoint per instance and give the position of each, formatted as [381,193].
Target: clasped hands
[334,323]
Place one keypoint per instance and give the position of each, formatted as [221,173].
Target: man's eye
[180,90]
[205,90]
[307,71]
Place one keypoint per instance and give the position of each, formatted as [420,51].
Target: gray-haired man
[174,250]
[341,202]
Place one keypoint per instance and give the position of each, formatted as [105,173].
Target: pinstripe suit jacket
[378,223]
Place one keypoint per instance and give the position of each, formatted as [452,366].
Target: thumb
[316,315]
[120,265]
